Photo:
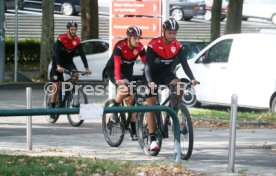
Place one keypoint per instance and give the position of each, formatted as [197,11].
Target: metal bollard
[29,118]
[232,134]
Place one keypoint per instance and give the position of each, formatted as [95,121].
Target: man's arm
[57,58]
[83,57]
[117,67]
[182,56]
[57,51]
[149,63]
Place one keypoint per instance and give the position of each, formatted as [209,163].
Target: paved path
[255,154]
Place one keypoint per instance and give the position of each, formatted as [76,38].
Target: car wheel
[222,18]
[273,19]
[187,18]
[177,14]
[67,9]
[273,105]
[208,15]
[189,97]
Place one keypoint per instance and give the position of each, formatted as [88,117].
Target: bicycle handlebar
[74,71]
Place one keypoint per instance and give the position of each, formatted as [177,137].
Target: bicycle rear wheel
[74,119]
[113,130]
[143,135]
[47,105]
[186,131]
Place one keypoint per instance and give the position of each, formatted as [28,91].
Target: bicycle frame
[136,96]
[172,98]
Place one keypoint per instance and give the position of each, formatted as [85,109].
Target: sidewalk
[255,148]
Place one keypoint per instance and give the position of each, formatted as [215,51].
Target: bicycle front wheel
[144,137]
[47,105]
[113,126]
[74,119]
[186,131]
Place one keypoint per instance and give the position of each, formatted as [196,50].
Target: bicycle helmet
[134,31]
[71,24]
[170,25]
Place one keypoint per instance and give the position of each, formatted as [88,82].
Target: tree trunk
[89,19]
[216,17]
[47,36]
[234,17]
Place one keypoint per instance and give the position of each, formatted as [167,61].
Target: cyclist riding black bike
[65,47]
[161,53]
[119,67]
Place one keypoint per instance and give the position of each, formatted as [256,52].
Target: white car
[264,9]
[97,54]
[241,64]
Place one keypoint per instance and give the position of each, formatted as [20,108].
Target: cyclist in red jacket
[65,48]
[161,53]
[119,67]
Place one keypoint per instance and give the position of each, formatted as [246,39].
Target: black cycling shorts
[56,76]
[111,77]
[161,79]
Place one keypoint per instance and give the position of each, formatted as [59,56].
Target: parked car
[209,4]
[263,9]
[66,7]
[201,7]
[242,64]
[185,9]
[97,54]
[9,4]
[192,47]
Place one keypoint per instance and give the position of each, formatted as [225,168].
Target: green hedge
[28,50]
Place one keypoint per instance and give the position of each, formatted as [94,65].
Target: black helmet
[71,24]
[170,25]
[134,31]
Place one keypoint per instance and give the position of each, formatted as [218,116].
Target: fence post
[29,118]
[232,134]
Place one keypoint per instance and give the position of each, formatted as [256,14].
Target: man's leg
[54,94]
[56,78]
[130,101]
[151,101]
[180,88]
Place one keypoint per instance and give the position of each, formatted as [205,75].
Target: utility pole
[2,40]
[15,40]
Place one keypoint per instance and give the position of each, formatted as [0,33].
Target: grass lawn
[243,115]
[65,166]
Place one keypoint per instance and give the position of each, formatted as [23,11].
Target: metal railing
[32,112]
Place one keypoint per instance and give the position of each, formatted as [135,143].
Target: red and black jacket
[65,49]
[160,58]
[123,58]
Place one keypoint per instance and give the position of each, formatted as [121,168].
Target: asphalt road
[255,148]
[14,96]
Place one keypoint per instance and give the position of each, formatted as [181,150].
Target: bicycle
[70,99]
[114,132]
[163,122]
